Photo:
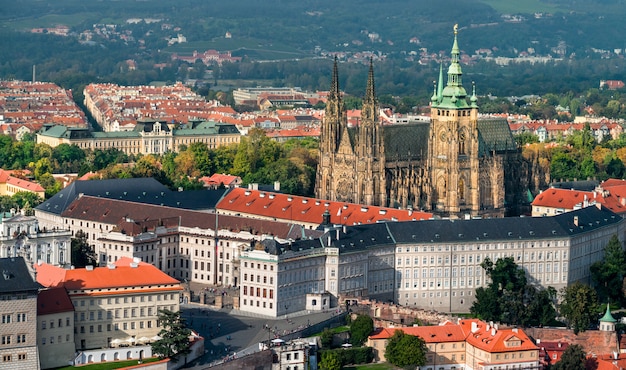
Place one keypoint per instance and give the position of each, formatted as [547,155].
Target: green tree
[330,361]
[83,254]
[608,274]
[326,338]
[406,351]
[174,335]
[579,306]
[360,329]
[573,358]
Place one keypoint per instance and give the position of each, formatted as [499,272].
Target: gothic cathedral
[457,164]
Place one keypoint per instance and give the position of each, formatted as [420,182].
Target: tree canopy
[360,329]
[579,306]
[573,358]
[608,274]
[174,335]
[509,298]
[406,351]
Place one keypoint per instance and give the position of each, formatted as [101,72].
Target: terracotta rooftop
[53,300]
[310,210]
[124,273]
[593,341]
[110,211]
[492,339]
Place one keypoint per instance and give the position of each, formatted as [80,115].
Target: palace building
[458,163]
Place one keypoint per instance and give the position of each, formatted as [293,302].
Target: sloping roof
[110,211]
[593,341]
[406,141]
[495,135]
[490,339]
[504,229]
[431,334]
[563,198]
[124,273]
[16,277]
[310,210]
[483,336]
[25,184]
[54,300]
[140,190]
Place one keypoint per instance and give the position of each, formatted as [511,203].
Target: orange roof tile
[125,273]
[54,300]
[24,184]
[490,339]
[564,198]
[310,210]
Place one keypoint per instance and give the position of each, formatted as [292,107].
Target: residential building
[36,103]
[18,316]
[218,180]
[118,108]
[609,194]
[146,137]
[469,344]
[115,304]
[55,328]
[21,236]
[456,164]
[11,183]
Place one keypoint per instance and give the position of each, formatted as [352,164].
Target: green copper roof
[607,315]
[453,96]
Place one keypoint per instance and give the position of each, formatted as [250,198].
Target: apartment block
[115,304]
[18,316]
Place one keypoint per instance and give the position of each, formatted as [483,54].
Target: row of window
[9,358]
[258,292]
[59,323]
[258,266]
[258,278]
[7,318]
[131,299]
[114,327]
[258,303]
[8,339]
[59,339]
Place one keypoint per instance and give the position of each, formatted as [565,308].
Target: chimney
[575,220]
[326,217]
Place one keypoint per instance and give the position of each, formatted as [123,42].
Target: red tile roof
[124,273]
[310,210]
[54,300]
[25,184]
[490,339]
[613,361]
[483,337]
[610,193]
[430,334]
[564,198]
[111,211]
[219,178]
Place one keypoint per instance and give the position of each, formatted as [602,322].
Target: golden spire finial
[456,29]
